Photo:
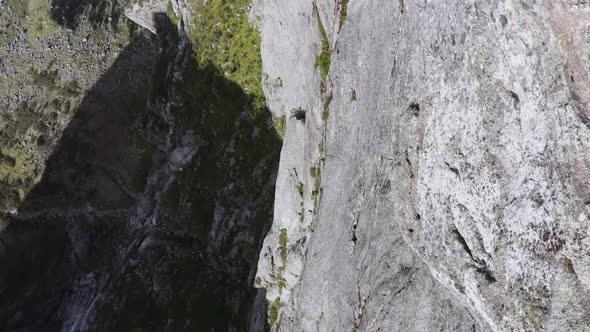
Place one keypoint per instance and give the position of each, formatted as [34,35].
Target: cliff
[317,165]
[440,179]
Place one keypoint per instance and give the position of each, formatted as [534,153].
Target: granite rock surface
[452,141]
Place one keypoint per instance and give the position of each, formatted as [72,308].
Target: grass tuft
[274,311]
[224,38]
[283,244]
[323,59]
[280,125]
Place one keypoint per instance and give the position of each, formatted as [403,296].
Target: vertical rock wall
[454,181]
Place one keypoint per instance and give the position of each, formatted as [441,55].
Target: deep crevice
[515,100]
[409,165]
[453,169]
[480,265]
[487,273]
[462,241]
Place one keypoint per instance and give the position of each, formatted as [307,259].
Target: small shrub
[343,13]
[280,125]
[274,311]
[283,244]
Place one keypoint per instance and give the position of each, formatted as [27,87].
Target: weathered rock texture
[454,166]
[434,172]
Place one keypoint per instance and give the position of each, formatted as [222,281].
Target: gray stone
[455,183]
[145,13]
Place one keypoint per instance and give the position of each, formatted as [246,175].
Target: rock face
[450,142]
[434,172]
[145,14]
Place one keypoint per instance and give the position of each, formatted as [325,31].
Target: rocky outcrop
[145,13]
[452,159]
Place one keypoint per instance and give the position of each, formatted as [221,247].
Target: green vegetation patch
[281,282]
[33,17]
[274,311]
[39,21]
[22,136]
[283,244]
[316,173]
[30,126]
[323,59]
[11,14]
[343,14]
[224,38]
[280,124]
[171,14]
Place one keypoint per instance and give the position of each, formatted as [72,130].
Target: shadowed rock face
[57,238]
[104,242]
[68,12]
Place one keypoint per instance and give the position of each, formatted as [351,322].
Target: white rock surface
[290,81]
[144,13]
[456,182]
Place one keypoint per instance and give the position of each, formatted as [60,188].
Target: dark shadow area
[68,12]
[106,241]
